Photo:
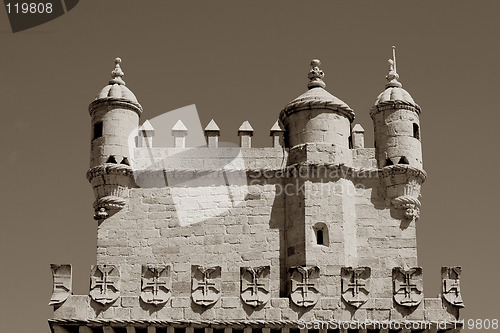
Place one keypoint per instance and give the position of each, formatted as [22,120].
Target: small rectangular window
[416,131]
[97,130]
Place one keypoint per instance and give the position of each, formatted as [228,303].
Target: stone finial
[146,134]
[358,136]
[212,133]
[316,75]
[393,76]
[117,73]
[245,132]
[277,135]
[179,132]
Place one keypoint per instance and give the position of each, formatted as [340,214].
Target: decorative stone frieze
[206,282]
[304,290]
[450,278]
[355,285]
[156,284]
[62,283]
[105,283]
[255,285]
[408,286]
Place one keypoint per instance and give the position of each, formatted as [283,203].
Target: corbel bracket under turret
[402,185]
[110,183]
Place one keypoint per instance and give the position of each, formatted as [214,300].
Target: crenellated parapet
[205,298]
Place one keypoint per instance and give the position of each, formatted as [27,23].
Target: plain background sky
[244,61]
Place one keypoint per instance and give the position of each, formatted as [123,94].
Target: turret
[397,126]
[115,117]
[397,144]
[318,118]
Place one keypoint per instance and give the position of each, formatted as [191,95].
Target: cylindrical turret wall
[112,127]
[317,126]
[397,137]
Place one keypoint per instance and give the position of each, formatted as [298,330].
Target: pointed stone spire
[179,132]
[316,75]
[212,133]
[117,73]
[277,134]
[393,76]
[245,132]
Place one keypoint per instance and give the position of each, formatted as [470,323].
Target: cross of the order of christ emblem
[205,289]
[408,289]
[450,277]
[355,285]
[304,285]
[155,284]
[255,285]
[61,276]
[105,283]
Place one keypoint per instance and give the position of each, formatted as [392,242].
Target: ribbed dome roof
[317,96]
[116,88]
[392,94]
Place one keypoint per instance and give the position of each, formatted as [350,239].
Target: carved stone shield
[156,284]
[408,286]
[205,289]
[62,282]
[450,277]
[355,285]
[105,283]
[255,285]
[304,285]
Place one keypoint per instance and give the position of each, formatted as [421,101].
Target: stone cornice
[238,324]
[109,168]
[394,105]
[116,102]
[399,169]
[323,105]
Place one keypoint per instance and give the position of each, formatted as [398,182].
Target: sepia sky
[245,60]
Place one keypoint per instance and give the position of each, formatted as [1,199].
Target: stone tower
[316,232]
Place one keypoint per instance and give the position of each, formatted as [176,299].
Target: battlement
[183,295]
[217,155]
